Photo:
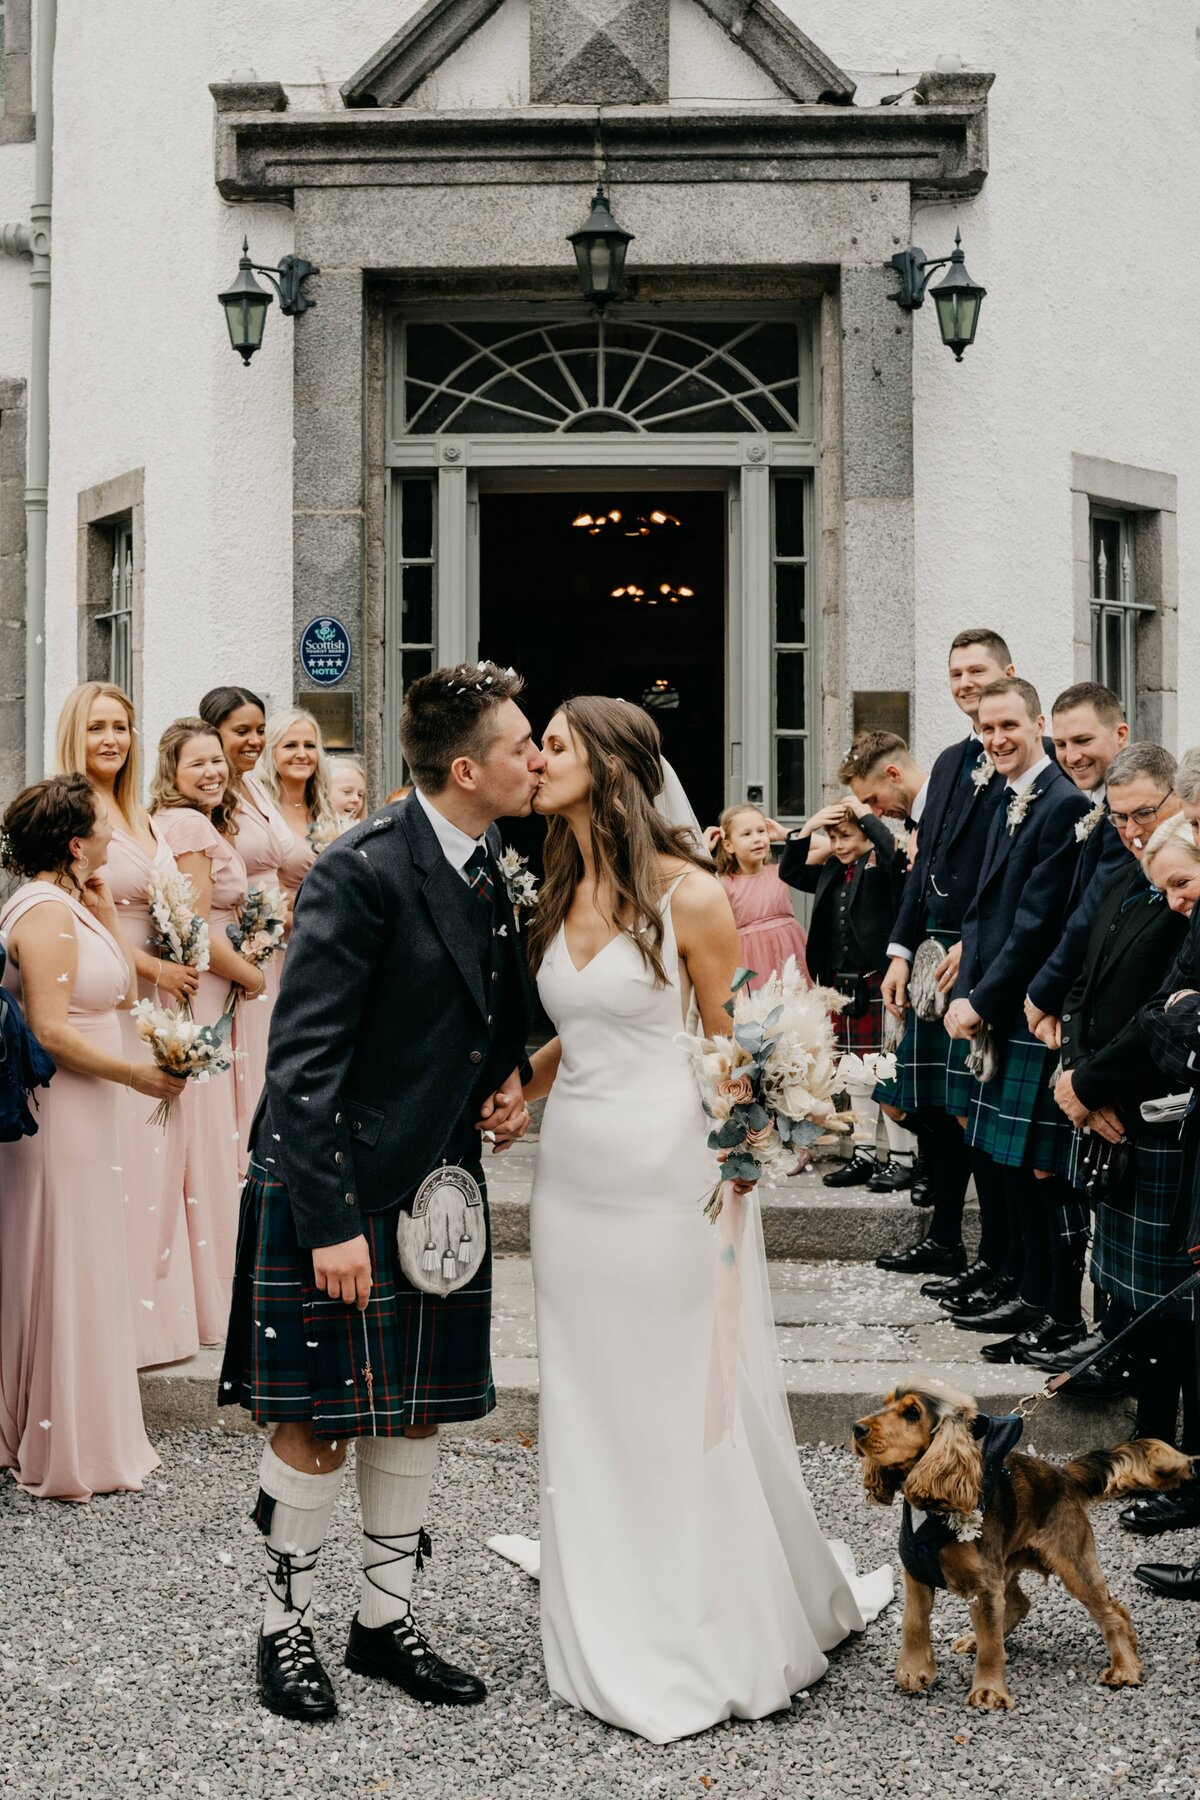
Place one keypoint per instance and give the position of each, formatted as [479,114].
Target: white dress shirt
[457,847]
[918,805]
[1018,784]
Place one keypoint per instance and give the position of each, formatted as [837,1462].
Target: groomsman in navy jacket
[1010,929]
[1088,726]
[932,1083]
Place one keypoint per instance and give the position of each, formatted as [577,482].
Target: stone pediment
[598,52]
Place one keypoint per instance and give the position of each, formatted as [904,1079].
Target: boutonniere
[1018,806]
[983,771]
[1085,826]
[520,883]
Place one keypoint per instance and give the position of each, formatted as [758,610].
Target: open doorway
[612,590]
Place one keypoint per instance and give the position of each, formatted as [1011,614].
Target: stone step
[802,1219]
[847,1334]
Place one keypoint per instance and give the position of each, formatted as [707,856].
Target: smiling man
[1010,927]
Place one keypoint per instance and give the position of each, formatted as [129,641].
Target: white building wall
[1084,235]
[16,193]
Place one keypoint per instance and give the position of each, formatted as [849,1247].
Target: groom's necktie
[479,874]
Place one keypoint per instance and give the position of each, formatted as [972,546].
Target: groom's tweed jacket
[405,1000]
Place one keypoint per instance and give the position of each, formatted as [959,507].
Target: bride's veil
[677,809]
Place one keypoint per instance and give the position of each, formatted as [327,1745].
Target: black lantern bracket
[957,298]
[288,281]
[915,270]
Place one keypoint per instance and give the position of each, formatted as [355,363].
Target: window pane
[789,691]
[1106,559]
[1116,674]
[416,604]
[789,778]
[416,518]
[789,603]
[789,515]
[413,664]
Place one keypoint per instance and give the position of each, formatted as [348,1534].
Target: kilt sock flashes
[394,1476]
[293,1514]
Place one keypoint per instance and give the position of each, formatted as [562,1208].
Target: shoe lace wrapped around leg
[399,1548]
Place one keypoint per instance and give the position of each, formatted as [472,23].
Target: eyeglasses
[1142,816]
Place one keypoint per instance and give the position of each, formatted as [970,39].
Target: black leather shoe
[399,1654]
[1012,1349]
[1010,1316]
[855,1173]
[919,1191]
[1051,1334]
[890,1178]
[975,1275]
[1163,1512]
[1103,1381]
[291,1680]
[1174,1581]
[1070,1354]
[925,1258]
[985,1299]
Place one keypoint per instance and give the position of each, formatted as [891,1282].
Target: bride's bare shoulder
[699,896]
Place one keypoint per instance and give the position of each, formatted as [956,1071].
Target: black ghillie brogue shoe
[291,1680]
[1153,1513]
[924,1258]
[951,1293]
[398,1653]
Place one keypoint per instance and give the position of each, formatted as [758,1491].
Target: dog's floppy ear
[882,1484]
[950,1474]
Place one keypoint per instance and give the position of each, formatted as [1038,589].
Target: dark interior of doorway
[633,606]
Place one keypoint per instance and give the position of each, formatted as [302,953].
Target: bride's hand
[504,1116]
[740,1188]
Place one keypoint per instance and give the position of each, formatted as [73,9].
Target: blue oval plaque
[325,651]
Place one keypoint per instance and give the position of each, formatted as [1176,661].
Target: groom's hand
[343,1271]
[504,1115]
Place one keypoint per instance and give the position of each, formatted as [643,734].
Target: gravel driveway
[127,1633]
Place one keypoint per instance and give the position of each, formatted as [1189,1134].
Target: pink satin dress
[70,1410]
[768,929]
[158,1256]
[265,844]
[212,1178]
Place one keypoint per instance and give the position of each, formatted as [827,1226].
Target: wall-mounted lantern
[957,298]
[246,303]
[600,246]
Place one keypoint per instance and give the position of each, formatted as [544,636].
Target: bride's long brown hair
[623,748]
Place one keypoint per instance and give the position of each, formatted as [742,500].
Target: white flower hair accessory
[983,771]
[1018,806]
[1089,822]
[520,883]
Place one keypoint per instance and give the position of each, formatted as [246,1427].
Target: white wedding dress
[679,1586]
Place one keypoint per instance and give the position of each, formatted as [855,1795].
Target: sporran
[983,1058]
[927,1002]
[442,1240]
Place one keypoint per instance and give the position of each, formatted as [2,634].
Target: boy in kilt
[932,1086]
[398,1036]
[1008,932]
[1107,1075]
[853,864]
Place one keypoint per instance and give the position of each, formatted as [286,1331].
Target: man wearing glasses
[1089,729]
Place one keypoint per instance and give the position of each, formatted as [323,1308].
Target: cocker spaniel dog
[976,1515]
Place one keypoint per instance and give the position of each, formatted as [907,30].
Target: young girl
[853,865]
[762,908]
[348,788]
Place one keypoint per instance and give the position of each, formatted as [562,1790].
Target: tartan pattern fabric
[479,875]
[863,1035]
[1013,1118]
[292,1353]
[1133,1257]
[931,1068]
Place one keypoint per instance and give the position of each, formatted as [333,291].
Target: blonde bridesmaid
[97,737]
[295,774]
[265,845]
[70,1411]
[190,805]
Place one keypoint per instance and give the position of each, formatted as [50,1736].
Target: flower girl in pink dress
[762,906]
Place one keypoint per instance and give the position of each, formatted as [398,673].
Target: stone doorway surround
[804,198]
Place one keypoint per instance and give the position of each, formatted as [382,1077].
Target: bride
[679,1586]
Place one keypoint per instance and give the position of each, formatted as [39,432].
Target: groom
[399,1034]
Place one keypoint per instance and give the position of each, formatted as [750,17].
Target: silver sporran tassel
[464,1249]
[429,1261]
[449,1266]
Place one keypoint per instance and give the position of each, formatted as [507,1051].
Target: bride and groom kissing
[679,1585]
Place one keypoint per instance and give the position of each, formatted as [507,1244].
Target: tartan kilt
[1133,1257]
[1013,1118]
[931,1068]
[862,1035]
[292,1353]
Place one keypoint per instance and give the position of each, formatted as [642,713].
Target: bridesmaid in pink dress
[294,771]
[97,738]
[191,811]
[265,845]
[762,906]
[70,1411]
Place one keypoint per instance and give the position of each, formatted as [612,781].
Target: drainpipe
[33,240]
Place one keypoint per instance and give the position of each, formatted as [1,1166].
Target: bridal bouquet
[183,1048]
[181,932]
[258,929]
[768,1086]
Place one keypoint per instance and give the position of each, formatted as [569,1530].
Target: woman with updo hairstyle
[70,1411]
[97,736]
[193,807]
[265,845]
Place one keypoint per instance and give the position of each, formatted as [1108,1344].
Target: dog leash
[1027,1407]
